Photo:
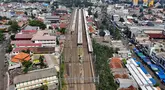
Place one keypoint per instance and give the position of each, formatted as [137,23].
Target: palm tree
[41,59]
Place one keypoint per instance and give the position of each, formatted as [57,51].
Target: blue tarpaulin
[164,81]
[154,67]
[147,61]
[134,58]
[134,49]
[138,63]
[143,69]
[143,57]
[153,81]
[160,69]
[161,75]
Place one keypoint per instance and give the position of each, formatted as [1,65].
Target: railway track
[77,56]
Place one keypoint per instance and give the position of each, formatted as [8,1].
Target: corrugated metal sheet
[153,31]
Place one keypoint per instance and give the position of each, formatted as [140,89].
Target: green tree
[57,41]
[116,34]
[25,70]
[90,11]
[9,49]
[0,17]
[41,59]
[25,13]
[26,51]
[63,30]
[102,27]
[1,36]
[32,16]
[26,64]
[102,34]
[104,22]
[12,37]
[149,11]
[5,18]
[134,15]
[103,53]
[96,14]
[44,87]
[14,27]
[156,85]
[10,22]
[124,61]
[37,23]
[116,50]
[121,20]
[58,29]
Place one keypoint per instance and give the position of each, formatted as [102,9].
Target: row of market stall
[140,74]
[155,68]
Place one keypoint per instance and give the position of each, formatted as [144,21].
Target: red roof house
[63,25]
[23,36]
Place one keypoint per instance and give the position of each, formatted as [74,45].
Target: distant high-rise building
[151,3]
[145,2]
[135,2]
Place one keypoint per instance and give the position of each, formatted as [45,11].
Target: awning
[154,67]
[143,69]
[160,69]
[138,63]
[164,81]
[161,75]
[153,81]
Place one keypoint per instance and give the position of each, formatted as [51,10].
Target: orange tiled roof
[14,60]
[115,63]
[129,88]
[20,57]
[124,76]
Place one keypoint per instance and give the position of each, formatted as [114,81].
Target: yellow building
[151,3]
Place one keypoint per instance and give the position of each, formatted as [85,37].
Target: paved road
[75,69]
[3,67]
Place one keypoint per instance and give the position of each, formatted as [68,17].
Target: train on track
[80,36]
[74,21]
[89,42]
[82,19]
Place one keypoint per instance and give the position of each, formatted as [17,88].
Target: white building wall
[7,14]
[47,43]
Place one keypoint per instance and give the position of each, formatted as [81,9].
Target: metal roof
[35,75]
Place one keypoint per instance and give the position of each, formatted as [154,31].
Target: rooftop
[52,17]
[30,28]
[63,25]
[28,31]
[21,57]
[29,45]
[43,35]
[43,73]
[36,50]
[125,83]
[115,63]
[21,42]
[23,36]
